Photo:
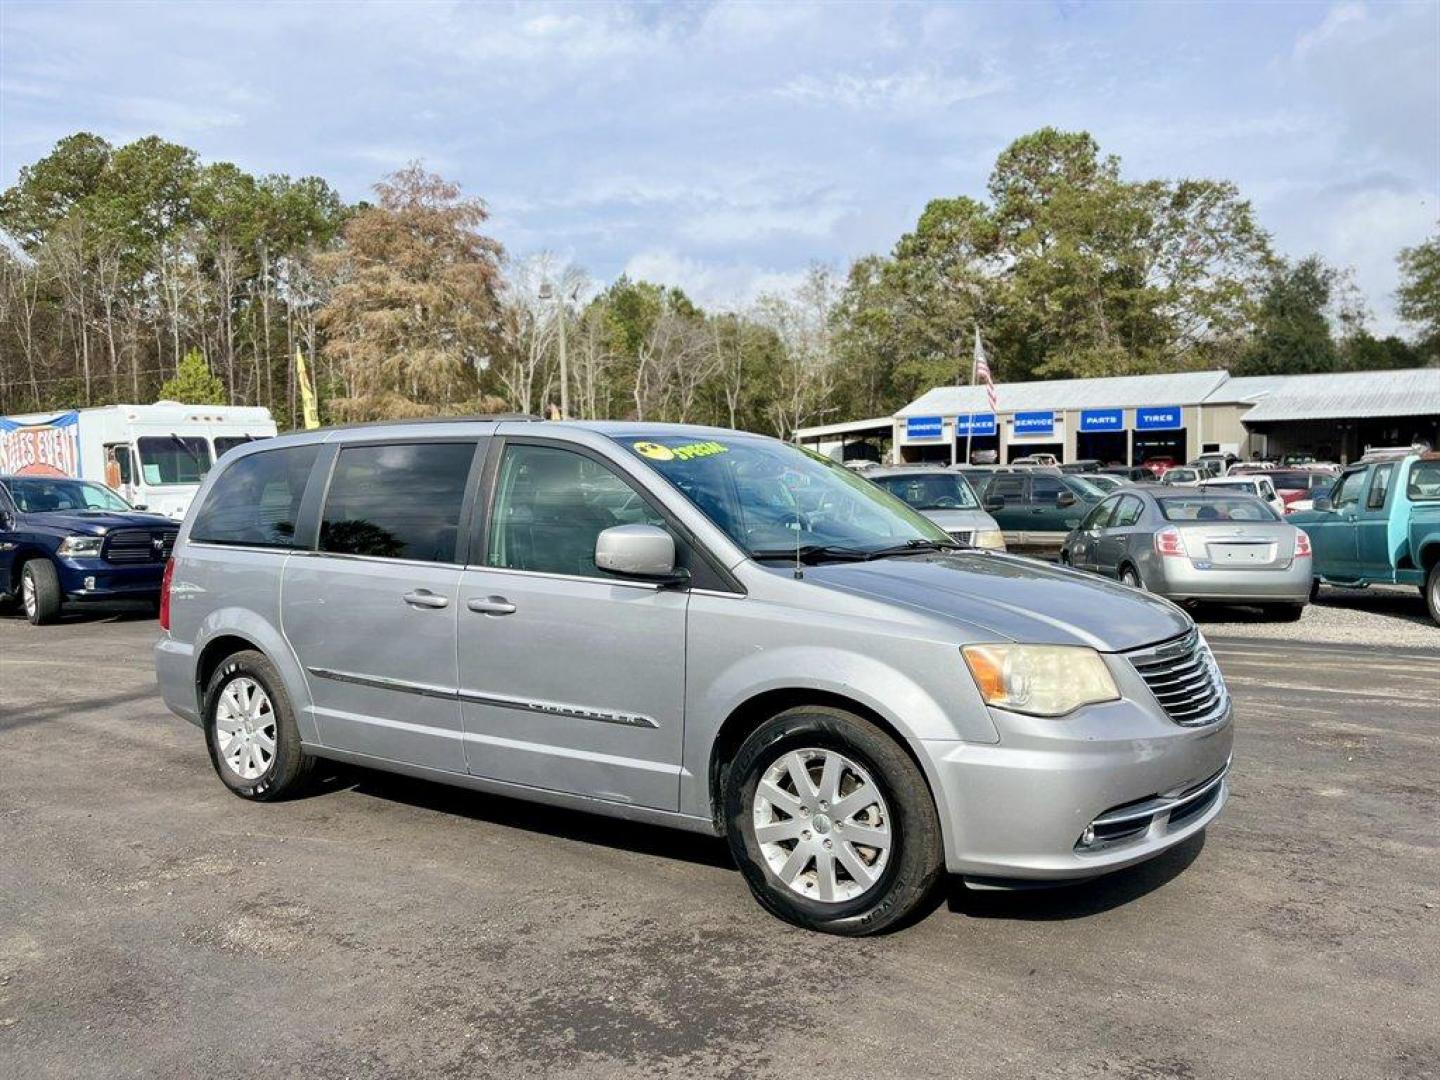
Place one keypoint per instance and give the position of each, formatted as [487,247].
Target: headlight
[86,547]
[989,538]
[1042,680]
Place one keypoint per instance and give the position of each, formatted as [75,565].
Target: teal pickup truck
[1380,523]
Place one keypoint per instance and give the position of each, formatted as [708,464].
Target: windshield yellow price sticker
[656,452]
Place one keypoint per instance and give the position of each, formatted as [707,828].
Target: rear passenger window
[1009,488]
[397,502]
[256,501]
[551,504]
[1379,487]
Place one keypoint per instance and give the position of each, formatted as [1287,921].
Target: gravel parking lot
[153,925]
[1380,615]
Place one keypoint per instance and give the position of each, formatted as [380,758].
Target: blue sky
[723,147]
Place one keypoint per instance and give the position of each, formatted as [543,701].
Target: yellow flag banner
[307,392]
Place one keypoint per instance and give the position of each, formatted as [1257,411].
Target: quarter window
[256,501]
[401,501]
[1379,487]
[551,504]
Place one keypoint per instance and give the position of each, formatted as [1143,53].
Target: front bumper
[96,579]
[1018,810]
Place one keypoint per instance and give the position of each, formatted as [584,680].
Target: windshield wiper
[915,546]
[812,554]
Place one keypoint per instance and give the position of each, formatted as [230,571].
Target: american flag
[982,370]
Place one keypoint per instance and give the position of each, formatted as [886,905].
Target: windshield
[771,497]
[1424,480]
[930,491]
[1086,489]
[37,494]
[173,459]
[1210,508]
[229,442]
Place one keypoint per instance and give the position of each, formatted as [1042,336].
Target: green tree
[1419,294]
[194,383]
[1292,334]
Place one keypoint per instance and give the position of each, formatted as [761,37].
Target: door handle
[426,599]
[490,605]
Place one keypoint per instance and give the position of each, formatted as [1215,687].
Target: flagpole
[974,371]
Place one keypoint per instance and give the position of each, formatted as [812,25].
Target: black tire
[40,575]
[1285,612]
[1314,589]
[916,857]
[1432,593]
[289,766]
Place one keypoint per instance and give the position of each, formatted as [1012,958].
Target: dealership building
[1130,418]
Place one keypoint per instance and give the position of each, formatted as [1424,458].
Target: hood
[1014,598]
[96,522]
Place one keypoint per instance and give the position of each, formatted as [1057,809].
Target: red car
[1159,465]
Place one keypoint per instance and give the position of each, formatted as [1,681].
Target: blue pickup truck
[67,541]
[1380,523]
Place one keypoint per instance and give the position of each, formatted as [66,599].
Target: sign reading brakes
[656,452]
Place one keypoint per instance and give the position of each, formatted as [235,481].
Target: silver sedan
[1191,544]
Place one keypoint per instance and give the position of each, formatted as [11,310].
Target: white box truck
[153,455]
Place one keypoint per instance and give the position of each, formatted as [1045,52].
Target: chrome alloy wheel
[822,825]
[27,594]
[245,728]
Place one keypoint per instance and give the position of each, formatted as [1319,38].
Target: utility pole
[546,292]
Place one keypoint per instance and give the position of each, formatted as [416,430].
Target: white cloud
[723,286]
[906,90]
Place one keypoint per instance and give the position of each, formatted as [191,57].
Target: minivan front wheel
[250,729]
[832,823]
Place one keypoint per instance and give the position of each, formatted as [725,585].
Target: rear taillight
[1302,544]
[165,593]
[1168,541]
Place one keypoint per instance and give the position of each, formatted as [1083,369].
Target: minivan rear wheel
[832,823]
[250,730]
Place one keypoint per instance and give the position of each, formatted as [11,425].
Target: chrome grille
[138,545]
[961,536]
[1183,676]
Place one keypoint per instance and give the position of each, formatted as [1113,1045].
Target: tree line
[138,271]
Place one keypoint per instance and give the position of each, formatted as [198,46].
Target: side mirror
[140,506]
[1065,498]
[1322,503]
[638,551]
[995,502]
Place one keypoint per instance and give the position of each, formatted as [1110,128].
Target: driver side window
[1348,491]
[1100,516]
[551,504]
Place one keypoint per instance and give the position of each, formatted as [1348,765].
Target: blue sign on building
[1102,420]
[975,424]
[923,427]
[1034,423]
[1158,418]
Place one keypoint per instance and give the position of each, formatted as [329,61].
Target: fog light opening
[1087,838]
[89,584]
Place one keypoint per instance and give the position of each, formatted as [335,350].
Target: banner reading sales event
[47,448]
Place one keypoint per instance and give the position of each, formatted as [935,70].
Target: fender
[885,688]
[243,623]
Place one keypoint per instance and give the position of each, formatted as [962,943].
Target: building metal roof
[881,424]
[1336,396]
[1118,392]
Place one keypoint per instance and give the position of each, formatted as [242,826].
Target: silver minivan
[695,627]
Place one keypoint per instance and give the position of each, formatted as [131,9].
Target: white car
[1181,476]
[1262,487]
